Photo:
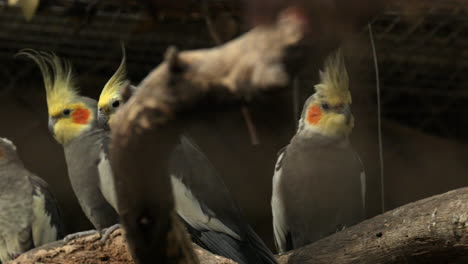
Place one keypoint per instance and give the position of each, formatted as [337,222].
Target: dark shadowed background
[422,53]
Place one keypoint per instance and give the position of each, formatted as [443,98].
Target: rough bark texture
[433,230]
[89,249]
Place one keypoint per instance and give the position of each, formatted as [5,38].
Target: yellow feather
[111,89]
[334,124]
[58,79]
[334,81]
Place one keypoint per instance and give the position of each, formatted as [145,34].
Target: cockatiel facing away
[73,123]
[213,219]
[29,214]
[111,98]
[319,181]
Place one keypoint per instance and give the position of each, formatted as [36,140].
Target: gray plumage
[319,185]
[319,181]
[213,219]
[86,158]
[29,214]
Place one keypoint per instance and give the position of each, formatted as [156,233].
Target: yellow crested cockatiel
[111,98]
[319,181]
[73,123]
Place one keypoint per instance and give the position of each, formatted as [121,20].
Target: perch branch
[432,230]
[90,249]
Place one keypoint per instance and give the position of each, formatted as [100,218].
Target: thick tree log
[432,230]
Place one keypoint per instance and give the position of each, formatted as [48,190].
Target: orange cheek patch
[81,115]
[313,114]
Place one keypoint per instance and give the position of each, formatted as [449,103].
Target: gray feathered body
[212,217]
[319,188]
[83,156]
[29,216]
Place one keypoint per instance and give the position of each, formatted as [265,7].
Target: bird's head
[328,111]
[111,98]
[7,151]
[69,114]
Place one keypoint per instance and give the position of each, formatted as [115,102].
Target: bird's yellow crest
[328,111]
[111,89]
[69,115]
[334,81]
[58,79]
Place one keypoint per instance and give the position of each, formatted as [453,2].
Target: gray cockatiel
[73,123]
[111,97]
[29,214]
[319,181]
[213,219]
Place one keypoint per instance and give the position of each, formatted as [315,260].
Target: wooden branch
[89,249]
[432,230]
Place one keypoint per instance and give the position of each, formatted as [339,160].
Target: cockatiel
[319,180]
[213,219]
[203,202]
[29,214]
[73,123]
[111,98]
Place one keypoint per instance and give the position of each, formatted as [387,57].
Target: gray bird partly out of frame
[29,214]
[212,217]
[319,180]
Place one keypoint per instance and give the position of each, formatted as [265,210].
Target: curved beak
[103,119]
[347,113]
[51,125]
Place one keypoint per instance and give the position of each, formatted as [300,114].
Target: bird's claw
[74,236]
[106,232]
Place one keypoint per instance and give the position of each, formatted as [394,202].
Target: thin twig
[379,121]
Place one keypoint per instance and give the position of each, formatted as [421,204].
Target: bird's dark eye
[116,104]
[325,106]
[66,112]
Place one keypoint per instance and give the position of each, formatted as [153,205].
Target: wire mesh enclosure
[421,49]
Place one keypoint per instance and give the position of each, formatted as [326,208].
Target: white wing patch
[280,227]
[190,210]
[9,143]
[3,249]
[42,230]
[106,180]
